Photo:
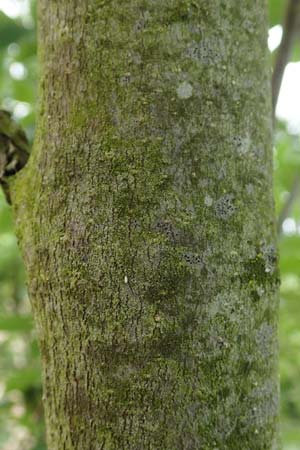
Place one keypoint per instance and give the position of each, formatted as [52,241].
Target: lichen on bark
[145,216]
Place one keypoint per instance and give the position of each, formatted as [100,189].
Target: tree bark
[146,220]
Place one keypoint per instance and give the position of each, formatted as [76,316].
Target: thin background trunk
[146,222]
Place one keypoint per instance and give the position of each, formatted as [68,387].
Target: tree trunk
[146,220]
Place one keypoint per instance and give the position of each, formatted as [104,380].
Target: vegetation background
[21,415]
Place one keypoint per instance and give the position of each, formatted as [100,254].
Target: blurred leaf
[23,379]
[16,323]
[276,11]
[10,30]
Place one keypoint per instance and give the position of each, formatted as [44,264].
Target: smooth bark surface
[146,221]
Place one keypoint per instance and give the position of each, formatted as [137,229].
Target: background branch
[286,209]
[290,28]
[289,32]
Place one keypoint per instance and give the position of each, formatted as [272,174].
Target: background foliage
[21,417]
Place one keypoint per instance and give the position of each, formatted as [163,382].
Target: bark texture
[146,220]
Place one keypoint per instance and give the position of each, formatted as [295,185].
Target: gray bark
[146,220]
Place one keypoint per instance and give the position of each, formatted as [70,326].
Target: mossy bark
[145,217]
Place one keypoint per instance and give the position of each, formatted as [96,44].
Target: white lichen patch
[222,172]
[270,256]
[184,90]
[224,207]
[250,189]
[125,79]
[264,338]
[227,305]
[207,51]
[193,259]
[242,144]
[208,201]
[204,182]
